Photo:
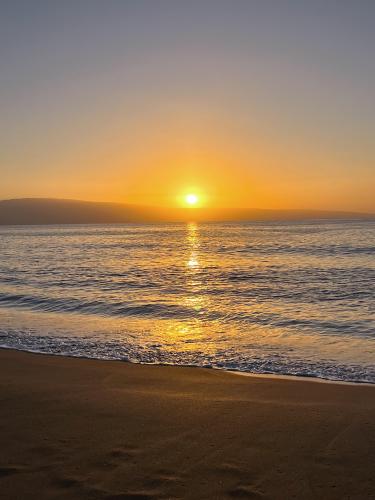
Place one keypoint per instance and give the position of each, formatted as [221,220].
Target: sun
[191,199]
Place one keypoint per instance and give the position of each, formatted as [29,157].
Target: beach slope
[85,429]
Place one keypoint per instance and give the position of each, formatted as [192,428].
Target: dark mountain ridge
[60,211]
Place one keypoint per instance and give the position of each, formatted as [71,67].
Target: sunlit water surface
[282,298]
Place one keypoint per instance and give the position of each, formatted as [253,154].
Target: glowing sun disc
[191,199]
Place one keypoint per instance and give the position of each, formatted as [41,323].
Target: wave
[73,305]
[362,328]
[326,250]
[270,363]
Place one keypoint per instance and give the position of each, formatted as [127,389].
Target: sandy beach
[86,429]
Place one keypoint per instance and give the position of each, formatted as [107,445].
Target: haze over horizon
[184,207]
[35,211]
[263,105]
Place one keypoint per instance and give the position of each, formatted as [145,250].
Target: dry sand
[84,429]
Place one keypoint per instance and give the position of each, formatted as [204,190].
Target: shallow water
[283,298]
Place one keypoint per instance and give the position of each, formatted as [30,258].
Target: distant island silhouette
[26,211]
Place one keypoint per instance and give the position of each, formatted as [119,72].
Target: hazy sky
[254,103]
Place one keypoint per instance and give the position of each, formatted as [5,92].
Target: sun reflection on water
[190,331]
[194,297]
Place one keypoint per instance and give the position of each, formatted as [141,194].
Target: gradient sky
[251,103]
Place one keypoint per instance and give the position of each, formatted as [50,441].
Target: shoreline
[75,428]
[302,378]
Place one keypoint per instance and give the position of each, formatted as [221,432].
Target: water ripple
[263,297]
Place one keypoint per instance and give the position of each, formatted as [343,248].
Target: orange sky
[142,102]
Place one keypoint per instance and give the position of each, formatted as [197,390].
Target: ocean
[278,298]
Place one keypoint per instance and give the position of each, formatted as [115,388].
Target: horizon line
[188,209]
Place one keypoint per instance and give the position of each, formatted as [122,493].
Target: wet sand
[85,429]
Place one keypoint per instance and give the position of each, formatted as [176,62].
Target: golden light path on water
[195,296]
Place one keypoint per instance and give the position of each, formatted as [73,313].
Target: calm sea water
[282,298]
